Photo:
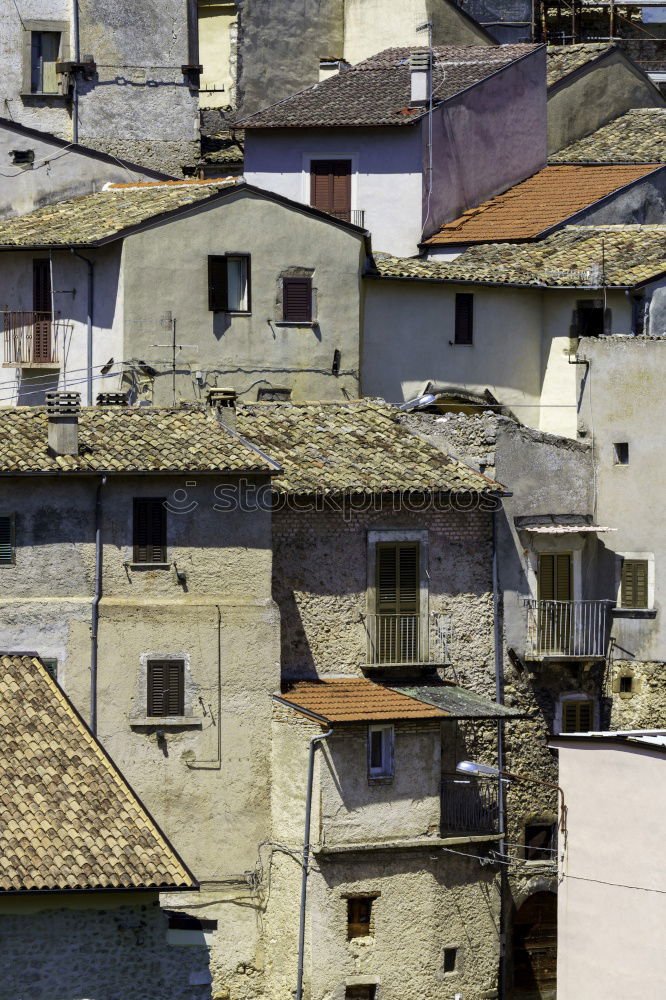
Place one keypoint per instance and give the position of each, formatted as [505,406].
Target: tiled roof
[94,218]
[128,439]
[69,819]
[355,447]
[566,59]
[548,198]
[638,136]
[355,699]
[570,257]
[456,702]
[377,91]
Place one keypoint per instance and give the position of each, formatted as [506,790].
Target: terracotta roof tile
[355,699]
[638,136]
[537,204]
[377,90]
[566,59]
[70,821]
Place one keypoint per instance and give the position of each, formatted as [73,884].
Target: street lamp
[488,771]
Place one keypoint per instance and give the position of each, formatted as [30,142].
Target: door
[397,638]
[40,350]
[555,593]
[534,948]
[330,187]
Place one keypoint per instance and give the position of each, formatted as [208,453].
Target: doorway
[534,947]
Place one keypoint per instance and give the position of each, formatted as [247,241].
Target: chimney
[62,409]
[223,401]
[112,399]
[420,69]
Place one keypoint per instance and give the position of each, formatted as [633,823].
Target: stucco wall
[641,203]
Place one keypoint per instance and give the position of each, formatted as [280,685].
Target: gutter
[94,628]
[89,322]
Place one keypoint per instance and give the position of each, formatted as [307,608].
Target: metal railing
[568,628]
[354,215]
[469,805]
[31,337]
[404,639]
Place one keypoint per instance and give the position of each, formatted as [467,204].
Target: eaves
[534,285]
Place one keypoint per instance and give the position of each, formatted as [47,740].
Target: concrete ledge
[417,843]
[167,722]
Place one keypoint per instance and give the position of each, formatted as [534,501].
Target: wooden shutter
[149,530]
[6,541]
[398,578]
[359,913]
[577,716]
[297,300]
[464,331]
[166,688]
[330,187]
[554,578]
[50,48]
[634,593]
[217,284]
[41,285]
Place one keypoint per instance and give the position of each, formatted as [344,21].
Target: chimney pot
[62,409]
[223,400]
[420,66]
[112,399]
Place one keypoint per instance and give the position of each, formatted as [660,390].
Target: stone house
[362,144]
[165,289]
[83,862]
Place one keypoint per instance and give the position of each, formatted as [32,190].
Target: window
[51,665]
[229,283]
[380,751]
[555,576]
[621,453]
[273,394]
[359,916]
[365,992]
[539,841]
[166,688]
[330,187]
[150,530]
[450,956]
[634,585]
[464,331]
[44,49]
[297,300]
[184,929]
[7,555]
[397,592]
[577,715]
[589,318]
[626,684]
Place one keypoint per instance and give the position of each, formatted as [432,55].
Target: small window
[150,530]
[7,555]
[539,841]
[297,300]
[621,452]
[229,283]
[577,716]
[51,665]
[634,589]
[166,688]
[626,684]
[380,751]
[364,992]
[273,394]
[22,157]
[44,49]
[590,318]
[359,916]
[464,331]
[450,957]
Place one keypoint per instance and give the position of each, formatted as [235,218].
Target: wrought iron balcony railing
[32,338]
[568,629]
[469,805]
[400,640]
[353,215]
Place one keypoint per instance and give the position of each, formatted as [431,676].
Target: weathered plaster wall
[594,95]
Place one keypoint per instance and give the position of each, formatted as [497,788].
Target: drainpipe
[306,859]
[89,324]
[501,798]
[75,76]
[95,604]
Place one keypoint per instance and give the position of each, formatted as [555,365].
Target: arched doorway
[534,946]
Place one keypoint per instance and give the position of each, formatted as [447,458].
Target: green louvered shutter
[397,602]
[6,541]
[634,583]
[166,687]
[555,576]
[577,716]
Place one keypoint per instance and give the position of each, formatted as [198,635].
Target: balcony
[354,215]
[469,806]
[404,640]
[31,339]
[573,630]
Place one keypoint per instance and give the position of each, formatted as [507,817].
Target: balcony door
[397,637]
[330,187]
[555,593]
[42,308]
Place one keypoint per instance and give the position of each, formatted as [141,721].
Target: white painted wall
[612,896]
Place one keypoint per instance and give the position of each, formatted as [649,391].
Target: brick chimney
[223,401]
[420,69]
[62,409]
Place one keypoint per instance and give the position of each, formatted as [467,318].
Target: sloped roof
[456,702]
[354,699]
[570,257]
[354,447]
[377,91]
[128,439]
[537,204]
[69,819]
[638,136]
[566,59]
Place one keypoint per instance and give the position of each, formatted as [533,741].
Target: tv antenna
[168,322]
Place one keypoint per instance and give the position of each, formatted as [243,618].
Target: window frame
[136,545]
[34,26]
[151,662]
[386,770]
[11,518]
[212,301]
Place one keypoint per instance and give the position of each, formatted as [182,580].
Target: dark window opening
[330,187]
[297,300]
[577,716]
[634,585]
[621,452]
[51,665]
[273,394]
[450,956]
[7,540]
[229,283]
[186,922]
[590,318]
[166,688]
[150,530]
[464,329]
[626,684]
[359,916]
[365,992]
[22,156]
[539,841]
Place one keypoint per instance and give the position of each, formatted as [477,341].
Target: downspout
[306,859]
[501,797]
[95,604]
[89,324]
[75,76]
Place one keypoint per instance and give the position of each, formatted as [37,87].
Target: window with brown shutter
[150,525]
[297,300]
[330,187]
[166,688]
[6,540]
[464,329]
[634,590]
[577,715]
[359,916]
